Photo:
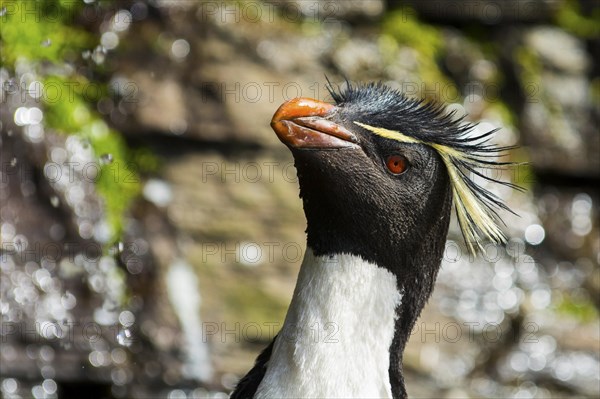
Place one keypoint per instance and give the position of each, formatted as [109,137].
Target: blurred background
[151,230]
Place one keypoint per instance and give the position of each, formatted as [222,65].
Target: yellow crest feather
[474,215]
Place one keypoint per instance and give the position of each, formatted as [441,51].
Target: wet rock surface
[198,86]
[558,117]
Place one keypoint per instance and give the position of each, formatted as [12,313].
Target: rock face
[197,84]
[487,12]
[558,116]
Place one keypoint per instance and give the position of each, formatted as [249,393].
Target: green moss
[504,111]
[250,304]
[404,26]
[569,18]
[530,66]
[38,31]
[595,91]
[65,104]
[482,36]
[530,79]
[145,160]
[523,173]
[529,74]
[43,34]
[242,302]
[427,41]
[118,181]
[580,308]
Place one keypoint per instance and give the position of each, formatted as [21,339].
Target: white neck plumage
[337,334]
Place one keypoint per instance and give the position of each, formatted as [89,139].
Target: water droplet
[99,55]
[134,265]
[46,43]
[97,358]
[126,318]
[49,386]
[114,250]
[10,385]
[34,133]
[119,376]
[68,300]
[38,392]
[177,394]
[534,234]
[121,20]
[106,159]
[46,353]
[124,337]
[180,49]
[110,40]
[178,127]
[118,356]
[55,201]
[158,192]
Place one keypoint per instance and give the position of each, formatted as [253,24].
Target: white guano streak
[182,286]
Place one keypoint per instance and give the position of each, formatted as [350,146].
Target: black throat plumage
[378,173]
[408,242]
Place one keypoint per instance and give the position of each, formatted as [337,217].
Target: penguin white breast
[337,334]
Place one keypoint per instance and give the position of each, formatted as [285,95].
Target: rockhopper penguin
[378,174]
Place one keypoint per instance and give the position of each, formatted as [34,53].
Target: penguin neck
[338,333]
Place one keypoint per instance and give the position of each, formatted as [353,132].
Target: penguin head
[378,173]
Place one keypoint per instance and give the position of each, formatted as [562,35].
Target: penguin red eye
[396,164]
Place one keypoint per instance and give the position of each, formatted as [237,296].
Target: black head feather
[388,112]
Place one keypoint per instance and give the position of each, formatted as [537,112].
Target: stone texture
[488,12]
[558,119]
[318,10]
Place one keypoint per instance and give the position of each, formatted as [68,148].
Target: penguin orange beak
[301,123]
